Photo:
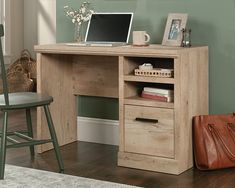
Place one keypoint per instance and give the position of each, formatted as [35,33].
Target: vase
[79,33]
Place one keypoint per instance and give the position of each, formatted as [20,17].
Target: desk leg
[55,79]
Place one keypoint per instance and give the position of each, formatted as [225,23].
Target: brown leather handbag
[214,141]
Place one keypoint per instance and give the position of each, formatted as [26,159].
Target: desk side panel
[55,79]
[193,100]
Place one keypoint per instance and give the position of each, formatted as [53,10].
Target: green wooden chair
[24,100]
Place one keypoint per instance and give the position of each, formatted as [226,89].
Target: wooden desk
[66,71]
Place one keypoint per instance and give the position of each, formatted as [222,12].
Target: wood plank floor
[99,161]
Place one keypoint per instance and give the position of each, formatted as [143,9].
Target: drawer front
[149,131]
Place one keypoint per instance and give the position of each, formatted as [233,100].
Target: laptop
[108,29]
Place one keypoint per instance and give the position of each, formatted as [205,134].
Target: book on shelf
[160,97]
[159,94]
[159,90]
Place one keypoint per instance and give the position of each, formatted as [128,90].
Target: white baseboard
[96,130]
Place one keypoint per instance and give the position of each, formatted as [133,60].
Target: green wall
[212,23]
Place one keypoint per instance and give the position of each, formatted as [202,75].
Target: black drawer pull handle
[146,120]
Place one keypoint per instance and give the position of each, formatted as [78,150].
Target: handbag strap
[217,137]
[231,130]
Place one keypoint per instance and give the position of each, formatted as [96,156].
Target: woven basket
[21,75]
[27,62]
[164,73]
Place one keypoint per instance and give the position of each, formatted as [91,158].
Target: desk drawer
[149,131]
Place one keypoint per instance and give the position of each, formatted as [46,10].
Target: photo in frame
[173,30]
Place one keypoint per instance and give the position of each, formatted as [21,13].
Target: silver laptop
[108,29]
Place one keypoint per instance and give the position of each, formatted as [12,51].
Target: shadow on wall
[46,18]
[39,23]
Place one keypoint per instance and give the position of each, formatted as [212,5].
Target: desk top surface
[128,50]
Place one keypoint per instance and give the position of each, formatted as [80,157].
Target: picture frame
[173,30]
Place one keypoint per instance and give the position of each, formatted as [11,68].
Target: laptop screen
[109,27]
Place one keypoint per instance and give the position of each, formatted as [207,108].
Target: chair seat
[24,100]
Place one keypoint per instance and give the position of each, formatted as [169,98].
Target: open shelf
[133,78]
[136,100]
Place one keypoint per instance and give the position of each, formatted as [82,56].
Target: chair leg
[3,145]
[30,129]
[54,138]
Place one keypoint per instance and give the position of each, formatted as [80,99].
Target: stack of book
[163,95]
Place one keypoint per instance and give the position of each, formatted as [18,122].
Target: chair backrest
[3,70]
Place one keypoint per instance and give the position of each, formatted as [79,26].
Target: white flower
[83,10]
[71,13]
[83,14]
[86,19]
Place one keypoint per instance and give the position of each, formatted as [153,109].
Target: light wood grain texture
[149,51]
[136,100]
[146,137]
[67,70]
[130,65]
[121,104]
[194,66]
[39,109]
[190,98]
[55,79]
[134,78]
[95,76]
[131,89]
[147,162]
